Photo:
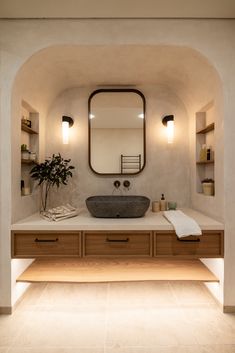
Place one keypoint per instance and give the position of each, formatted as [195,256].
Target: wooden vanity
[36,244]
[87,249]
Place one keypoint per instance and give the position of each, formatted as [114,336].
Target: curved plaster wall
[21,40]
[162,71]
[183,69]
[58,80]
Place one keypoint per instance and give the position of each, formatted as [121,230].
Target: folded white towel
[183,224]
[59,213]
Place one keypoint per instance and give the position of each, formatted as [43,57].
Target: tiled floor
[147,317]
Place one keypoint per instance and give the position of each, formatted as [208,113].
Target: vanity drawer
[209,244]
[125,243]
[44,244]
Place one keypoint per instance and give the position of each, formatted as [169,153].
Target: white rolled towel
[183,224]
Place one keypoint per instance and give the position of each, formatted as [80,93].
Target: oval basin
[113,206]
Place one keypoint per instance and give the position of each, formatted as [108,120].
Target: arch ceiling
[182,70]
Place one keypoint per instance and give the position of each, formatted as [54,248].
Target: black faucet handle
[126,183]
[116,184]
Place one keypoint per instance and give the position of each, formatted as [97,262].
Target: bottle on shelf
[209,154]
[163,203]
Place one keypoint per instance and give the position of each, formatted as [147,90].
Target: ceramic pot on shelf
[208,188]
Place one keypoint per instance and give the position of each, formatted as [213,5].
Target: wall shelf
[205,162]
[28,161]
[30,138]
[207,129]
[205,136]
[28,129]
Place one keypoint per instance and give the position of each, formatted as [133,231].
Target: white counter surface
[84,221]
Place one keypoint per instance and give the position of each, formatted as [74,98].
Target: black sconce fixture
[67,122]
[168,121]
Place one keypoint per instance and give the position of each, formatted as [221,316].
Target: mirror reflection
[116,131]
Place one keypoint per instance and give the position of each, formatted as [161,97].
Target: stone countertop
[84,221]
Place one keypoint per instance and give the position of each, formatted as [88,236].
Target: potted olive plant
[54,171]
[208,186]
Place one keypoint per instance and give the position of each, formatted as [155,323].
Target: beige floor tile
[210,326]
[140,295]
[137,317]
[4,350]
[125,328]
[31,297]
[83,295]
[52,329]
[55,350]
[191,294]
[155,349]
[168,327]
[143,328]
[229,318]
[11,326]
[174,349]
[211,349]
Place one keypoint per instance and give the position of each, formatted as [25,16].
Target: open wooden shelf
[28,161]
[205,162]
[28,129]
[202,193]
[82,270]
[208,128]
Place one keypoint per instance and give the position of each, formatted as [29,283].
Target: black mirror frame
[89,128]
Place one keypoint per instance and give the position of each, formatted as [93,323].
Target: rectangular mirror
[116,131]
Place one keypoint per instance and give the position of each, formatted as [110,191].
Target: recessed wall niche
[205,146]
[29,145]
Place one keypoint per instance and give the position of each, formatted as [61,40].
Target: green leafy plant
[24,147]
[54,171]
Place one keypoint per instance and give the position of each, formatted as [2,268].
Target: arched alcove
[180,76]
[58,80]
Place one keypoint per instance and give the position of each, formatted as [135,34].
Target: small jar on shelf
[24,152]
[32,156]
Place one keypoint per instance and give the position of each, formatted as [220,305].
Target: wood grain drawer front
[209,244]
[29,245]
[117,243]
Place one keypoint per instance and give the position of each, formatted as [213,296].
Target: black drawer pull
[117,240]
[189,241]
[46,240]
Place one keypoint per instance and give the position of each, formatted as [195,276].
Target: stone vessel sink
[113,206]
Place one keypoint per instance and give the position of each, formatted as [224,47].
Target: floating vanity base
[82,270]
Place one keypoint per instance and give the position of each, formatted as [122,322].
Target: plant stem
[45,188]
[48,185]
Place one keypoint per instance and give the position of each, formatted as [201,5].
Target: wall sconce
[67,122]
[168,121]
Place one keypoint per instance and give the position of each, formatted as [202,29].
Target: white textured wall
[213,39]
[167,167]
